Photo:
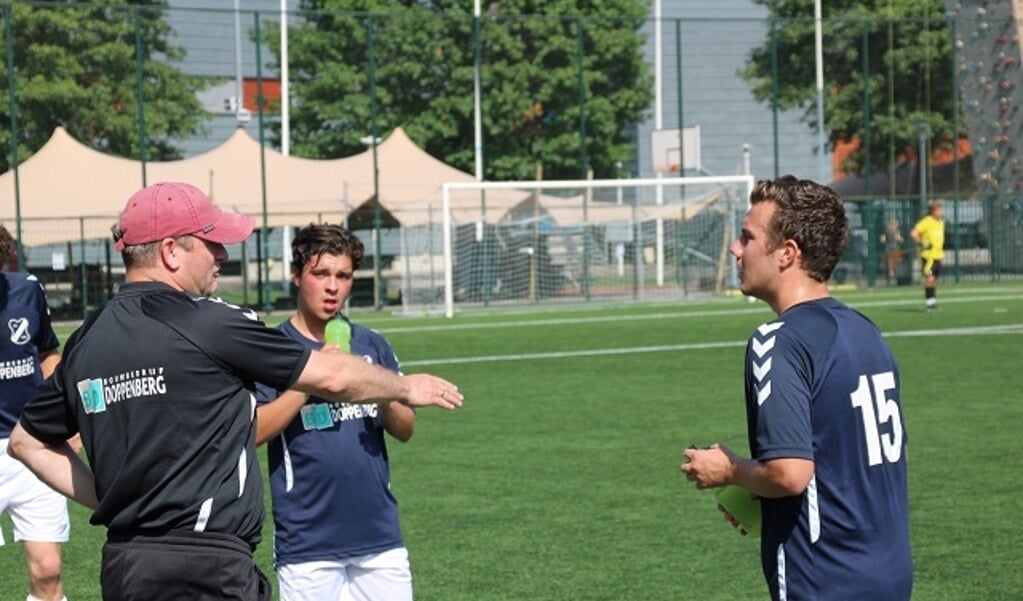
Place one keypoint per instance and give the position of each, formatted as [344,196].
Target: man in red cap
[160,382]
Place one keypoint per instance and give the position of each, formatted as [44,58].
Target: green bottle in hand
[338,333]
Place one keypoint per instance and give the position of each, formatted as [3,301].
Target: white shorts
[365,578]
[38,513]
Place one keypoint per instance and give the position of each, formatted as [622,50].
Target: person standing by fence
[892,239]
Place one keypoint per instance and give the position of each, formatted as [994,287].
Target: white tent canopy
[82,190]
[67,179]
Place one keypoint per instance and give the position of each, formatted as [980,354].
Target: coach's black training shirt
[161,386]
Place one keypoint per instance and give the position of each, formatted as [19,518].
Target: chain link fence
[916,109]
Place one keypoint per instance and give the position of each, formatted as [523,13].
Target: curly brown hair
[8,250]
[314,240]
[810,214]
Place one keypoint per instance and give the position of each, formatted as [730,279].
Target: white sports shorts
[365,578]
[38,513]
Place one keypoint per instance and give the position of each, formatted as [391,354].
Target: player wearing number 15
[826,432]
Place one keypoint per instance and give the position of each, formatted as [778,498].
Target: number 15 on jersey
[871,398]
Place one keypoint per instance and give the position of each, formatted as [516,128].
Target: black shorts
[181,565]
[931,267]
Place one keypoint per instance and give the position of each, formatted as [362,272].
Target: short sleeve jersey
[932,237]
[821,384]
[162,387]
[26,332]
[329,474]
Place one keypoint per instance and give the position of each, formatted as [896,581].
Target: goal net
[545,242]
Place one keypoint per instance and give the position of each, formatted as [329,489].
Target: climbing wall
[988,60]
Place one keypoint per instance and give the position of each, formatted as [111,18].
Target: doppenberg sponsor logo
[97,393]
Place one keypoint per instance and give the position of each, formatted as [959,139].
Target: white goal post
[731,192]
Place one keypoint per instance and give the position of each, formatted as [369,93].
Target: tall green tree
[887,70]
[563,81]
[75,66]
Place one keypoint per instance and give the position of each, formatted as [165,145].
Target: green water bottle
[339,333]
[744,508]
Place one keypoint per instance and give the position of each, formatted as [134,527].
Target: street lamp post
[923,130]
[374,141]
[819,67]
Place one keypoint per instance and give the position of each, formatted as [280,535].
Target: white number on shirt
[873,390]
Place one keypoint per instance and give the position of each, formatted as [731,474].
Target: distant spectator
[893,240]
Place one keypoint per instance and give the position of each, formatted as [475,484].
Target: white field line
[580,353]
[877,295]
[1016,329]
[680,314]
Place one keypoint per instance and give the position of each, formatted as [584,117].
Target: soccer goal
[544,242]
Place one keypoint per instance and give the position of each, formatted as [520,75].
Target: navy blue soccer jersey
[330,480]
[27,332]
[822,384]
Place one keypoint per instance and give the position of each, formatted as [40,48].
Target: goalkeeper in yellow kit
[929,235]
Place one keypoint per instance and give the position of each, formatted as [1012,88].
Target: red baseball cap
[172,209]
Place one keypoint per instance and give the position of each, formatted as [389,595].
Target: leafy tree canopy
[887,70]
[423,66]
[75,66]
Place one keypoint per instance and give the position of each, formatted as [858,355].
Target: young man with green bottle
[337,534]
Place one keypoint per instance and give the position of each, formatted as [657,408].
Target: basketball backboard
[675,149]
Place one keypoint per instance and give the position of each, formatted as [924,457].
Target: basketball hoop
[673,150]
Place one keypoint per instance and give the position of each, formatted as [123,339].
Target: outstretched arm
[347,378]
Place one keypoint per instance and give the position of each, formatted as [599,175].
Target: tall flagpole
[285,95]
[478,148]
[819,60]
[239,83]
[658,97]
[481,230]
[659,124]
